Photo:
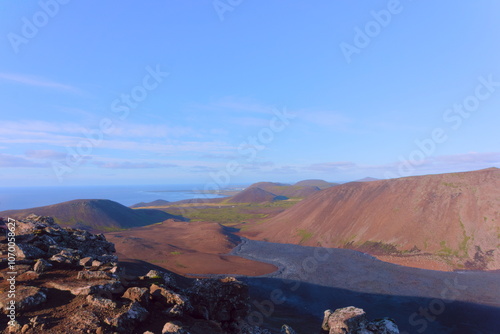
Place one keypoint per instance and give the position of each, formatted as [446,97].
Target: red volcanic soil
[185,248]
[453,217]
[252,195]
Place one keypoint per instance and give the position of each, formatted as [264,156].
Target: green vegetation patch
[226,215]
[304,235]
[445,250]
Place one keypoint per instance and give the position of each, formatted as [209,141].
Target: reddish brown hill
[290,191]
[252,195]
[455,216]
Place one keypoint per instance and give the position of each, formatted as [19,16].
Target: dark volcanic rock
[41,266]
[127,320]
[137,294]
[27,298]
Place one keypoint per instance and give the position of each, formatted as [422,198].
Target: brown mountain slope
[290,191]
[454,216]
[94,214]
[252,195]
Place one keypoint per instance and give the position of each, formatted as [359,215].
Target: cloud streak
[8,160]
[37,82]
[133,165]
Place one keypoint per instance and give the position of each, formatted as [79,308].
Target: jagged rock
[44,242]
[285,329]
[107,259]
[136,294]
[163,277]
[127,320]
[102,287]
[32,223]
[41,266]
[168,297]
[346,320]
[96,263]
[27,298]
[115,270]
[352,320]
[101,302]
[86,261]
[93,275]
[27,251]
[326,316]
[55,249]
[173,328]
[223,300]
[61,259]
[383,326]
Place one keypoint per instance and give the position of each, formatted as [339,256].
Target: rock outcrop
[76,274]
[352,320]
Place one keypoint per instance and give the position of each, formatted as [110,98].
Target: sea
[29,197]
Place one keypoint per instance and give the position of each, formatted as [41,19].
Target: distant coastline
[14,198]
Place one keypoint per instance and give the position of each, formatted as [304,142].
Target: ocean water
[29,197]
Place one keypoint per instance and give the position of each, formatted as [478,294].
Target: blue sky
[230,92]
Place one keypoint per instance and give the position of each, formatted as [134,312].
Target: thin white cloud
[8,160]
[125,130]
[37,82]
[133,165]
[45,154]
[470,158]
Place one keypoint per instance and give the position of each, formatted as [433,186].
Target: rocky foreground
[69,281]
